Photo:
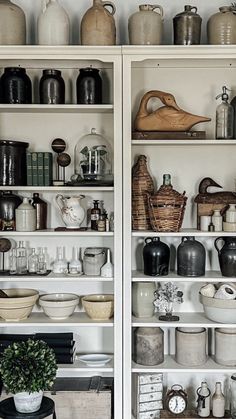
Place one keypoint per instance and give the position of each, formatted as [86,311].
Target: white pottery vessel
[191,346]
[28,402]
[146,25]
[72,212]
[26,217]
[59,306]
[225,344]
[12,23]
[230,215]
[143,297]
[53,24]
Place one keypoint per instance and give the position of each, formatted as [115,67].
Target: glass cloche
[93,160]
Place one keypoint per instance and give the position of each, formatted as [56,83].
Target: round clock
[176,399]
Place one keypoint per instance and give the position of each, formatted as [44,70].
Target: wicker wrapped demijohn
[142,186]
[167,207]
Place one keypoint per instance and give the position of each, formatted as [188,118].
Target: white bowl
[220,311]
[59,306]
[19,305]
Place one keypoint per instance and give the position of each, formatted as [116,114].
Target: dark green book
[48,167]
[40,169]
[35,168]
[29,169]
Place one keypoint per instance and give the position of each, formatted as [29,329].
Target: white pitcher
[72,212]
[53,24]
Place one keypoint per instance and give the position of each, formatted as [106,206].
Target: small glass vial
[102,223]
[233,396]
[42,263]
[224,117]
[75,266]
[12,262]
[21,259]
[33,262]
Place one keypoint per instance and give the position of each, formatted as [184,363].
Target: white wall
[76,9]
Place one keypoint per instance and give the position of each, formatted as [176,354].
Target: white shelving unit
[72,121]
[194,75]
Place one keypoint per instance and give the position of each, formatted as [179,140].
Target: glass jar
[233,396]
[93,159]
[52,88]
[89,86]
[16,86]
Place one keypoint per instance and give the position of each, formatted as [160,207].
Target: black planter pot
[13,163]
[16,86]
[89,86]
[8,204]
[191,258]
[156,257]
[52,88]
[227,256]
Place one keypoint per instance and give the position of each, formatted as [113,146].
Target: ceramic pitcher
[98,24]
[53,24]
[227,255]
[146,25]
[12,24]
[72,212]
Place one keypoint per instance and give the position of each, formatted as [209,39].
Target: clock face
[177,404]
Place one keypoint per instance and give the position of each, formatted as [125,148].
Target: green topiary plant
[28,366]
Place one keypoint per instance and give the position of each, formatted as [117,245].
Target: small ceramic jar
[205,221]
[143,297]
[190,346]
[230,215]
[217,220]
[26,219]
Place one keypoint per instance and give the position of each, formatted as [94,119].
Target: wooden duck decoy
[224,197]
[166,118]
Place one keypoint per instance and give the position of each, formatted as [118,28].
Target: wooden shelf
[70,108]
[210,276]
[58,188]
[183,232]
[52,233]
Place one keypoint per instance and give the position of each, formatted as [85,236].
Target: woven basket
[166,209]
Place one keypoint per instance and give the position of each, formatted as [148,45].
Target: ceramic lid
[13,143]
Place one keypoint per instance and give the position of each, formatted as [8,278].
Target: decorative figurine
[166,296]
[167,118]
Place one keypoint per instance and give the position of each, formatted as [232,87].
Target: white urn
[72,212]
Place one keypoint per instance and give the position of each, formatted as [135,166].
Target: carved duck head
[206,183]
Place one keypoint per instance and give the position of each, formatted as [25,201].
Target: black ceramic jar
[89,86]
[16,86]
[227,255]
[191,258]
[13,163]
[156,257]
[52,88]
[8,204]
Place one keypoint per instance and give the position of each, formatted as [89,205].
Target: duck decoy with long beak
[166,118]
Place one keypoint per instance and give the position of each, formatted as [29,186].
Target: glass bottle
[167,180]
[233,396]
[42,263]
[203,407]
[75,266]
[102,222]
[224,117]
[21,259]
[95,213]
[218,402]
[111,222]
[12,262]
[33,262]
[60,265]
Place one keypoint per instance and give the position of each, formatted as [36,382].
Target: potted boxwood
[27,369]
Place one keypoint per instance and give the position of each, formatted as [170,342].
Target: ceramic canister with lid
[190,344]
[94,258]
[221,27]
[225,346]
[146,25]
[142,299]
[26,216]
[148,346]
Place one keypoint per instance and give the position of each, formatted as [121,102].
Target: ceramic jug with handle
[227,255]
[98,24]
[146,25]
[72,212]
[53,24]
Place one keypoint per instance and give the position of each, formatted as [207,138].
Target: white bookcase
[39,125]
[195,75]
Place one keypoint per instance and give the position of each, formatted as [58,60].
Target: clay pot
[98,24]
[148,346]
[12,23]
[156,257]
[190,346]
[146,25]
[221,27]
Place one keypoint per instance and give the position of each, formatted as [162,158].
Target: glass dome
[93,159]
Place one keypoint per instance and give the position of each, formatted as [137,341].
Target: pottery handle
[157,6]
[216,243]
[59,201]
[110,4]
[183,239]
[44,5]
[194,8]
[148,240]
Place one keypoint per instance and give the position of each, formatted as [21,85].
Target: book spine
[65,359]
[48,166]
[35,168]
[40,169]
[29,168]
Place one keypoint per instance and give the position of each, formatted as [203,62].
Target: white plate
[95,360]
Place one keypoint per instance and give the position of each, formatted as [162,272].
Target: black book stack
[63,344]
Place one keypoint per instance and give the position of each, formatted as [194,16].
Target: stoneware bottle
[230,215]
[221,27]
[53,24]
[156,257]
[217,220]
[142,299]
[191,258]
[98,24]
[25,216]
[187,27]
[146,25]
[12,24]
[218,402]
[148,346]
[41,212]
[203,408]
[227,255]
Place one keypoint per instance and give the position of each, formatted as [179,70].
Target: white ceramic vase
[53,24]
[28,402]
[12,24]
[143,297]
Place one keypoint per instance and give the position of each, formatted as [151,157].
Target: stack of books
[63,344]
[39,169]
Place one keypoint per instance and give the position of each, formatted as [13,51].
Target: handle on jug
[157,6]
[216,243]
[110,4]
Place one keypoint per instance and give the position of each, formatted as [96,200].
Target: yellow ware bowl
[19,305]
[99,306]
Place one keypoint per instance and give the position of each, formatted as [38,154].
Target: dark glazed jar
[89,86]
[156,257]
[8,204]
[41,212]
[52,88]
[227,256]
[191,258]
[16,86]
[187,27]
[13,163]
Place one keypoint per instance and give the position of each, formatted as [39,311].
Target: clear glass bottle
[33,262]
[21,259]
[233,396]
[60,265]
[167,180]
[12,262]
[218,402]
[224,117]
[42,262]
[75,265]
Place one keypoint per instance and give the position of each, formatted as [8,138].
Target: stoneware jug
[12,24]
[25,216]
[142,299]
[53,24]
[98,24]
[227,255]
[221,27]
[156,257]
[71,210]
[187,27]
[146,25]
[191,258]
